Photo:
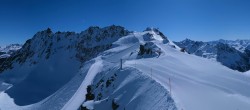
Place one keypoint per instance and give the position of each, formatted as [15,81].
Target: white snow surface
[78,97]
[247,73]
[11,47]
[196,83]
[4,55]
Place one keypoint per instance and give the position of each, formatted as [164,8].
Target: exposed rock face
[84,45]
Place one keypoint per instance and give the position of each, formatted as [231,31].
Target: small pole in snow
[170,86]
[121,64]
[151,72]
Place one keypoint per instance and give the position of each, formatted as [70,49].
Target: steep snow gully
[155,75]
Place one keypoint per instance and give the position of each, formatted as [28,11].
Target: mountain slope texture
[232,54]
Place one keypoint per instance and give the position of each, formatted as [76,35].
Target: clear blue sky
[178,19]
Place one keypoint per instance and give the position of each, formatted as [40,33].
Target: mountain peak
[152,29]
[158,34]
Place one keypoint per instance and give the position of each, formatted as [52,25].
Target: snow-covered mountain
[237,44]
[247,50]
[229,53]
[112,68]
[9,50]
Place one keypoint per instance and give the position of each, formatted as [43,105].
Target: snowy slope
[247,73]
[196,83]
[155,75]
[129,87]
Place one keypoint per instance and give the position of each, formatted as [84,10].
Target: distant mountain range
[234,54]
[9,49]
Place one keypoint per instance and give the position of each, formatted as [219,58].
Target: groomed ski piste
[174,80]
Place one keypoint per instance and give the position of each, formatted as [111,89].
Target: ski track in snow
[79,96]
